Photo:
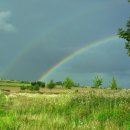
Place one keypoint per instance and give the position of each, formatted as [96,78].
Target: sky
[37,37]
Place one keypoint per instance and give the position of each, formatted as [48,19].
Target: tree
[38,83]
[33,83]
[97,82]
[113,83]
[125,34]
[43,85]
[51,84]
[68,83]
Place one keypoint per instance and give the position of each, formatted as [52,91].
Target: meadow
[65,109]
[13,83]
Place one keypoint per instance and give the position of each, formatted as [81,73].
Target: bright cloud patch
[5,25]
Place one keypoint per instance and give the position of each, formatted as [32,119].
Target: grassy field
[66,109]
[13,83]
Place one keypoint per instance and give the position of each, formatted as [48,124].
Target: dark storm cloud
[37,61]
[57,28]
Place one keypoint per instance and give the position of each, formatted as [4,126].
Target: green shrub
[34,88]
[43,85]
[51,84]
[38,83]
[113,83]
[33,83]
[23,87]
[97,82]
[68,83]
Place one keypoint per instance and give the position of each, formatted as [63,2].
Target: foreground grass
[95,110]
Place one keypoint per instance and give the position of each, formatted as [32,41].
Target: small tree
[51,84]
[33,83]
[125,34]
[113,83]
[68,83]
[43,85]
[97,82]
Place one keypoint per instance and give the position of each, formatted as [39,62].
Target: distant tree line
[68,83]
[34,86]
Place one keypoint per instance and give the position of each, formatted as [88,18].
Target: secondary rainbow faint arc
[74,54]
[58,25]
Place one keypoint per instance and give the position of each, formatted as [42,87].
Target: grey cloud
[5,24]
[56,29]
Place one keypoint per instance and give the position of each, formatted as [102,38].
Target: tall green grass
[67,112]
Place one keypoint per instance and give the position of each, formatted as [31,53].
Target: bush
[34,88]
[43,85]
[113,83]
[33,83]
[97,82]
[68,83]
[23,87]
[51,84]
[38,83]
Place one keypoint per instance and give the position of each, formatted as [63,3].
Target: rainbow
[79,51]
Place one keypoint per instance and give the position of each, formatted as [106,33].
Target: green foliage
[51,84]
[43,85]
[25,82]
[113,83]
[31,88]
[38,83]
[34,88]
[125,34]
[68,83]
[23,87]
[97,82]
